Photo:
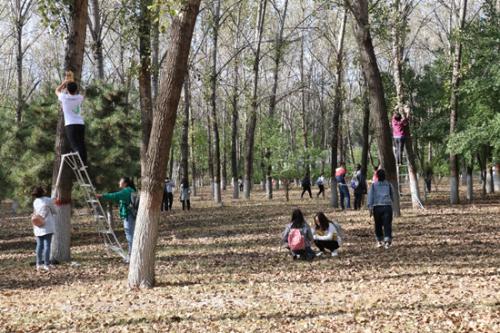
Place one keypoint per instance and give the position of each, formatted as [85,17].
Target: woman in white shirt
[44,207]
[325,235]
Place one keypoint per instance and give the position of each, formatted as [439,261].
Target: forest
[243,100]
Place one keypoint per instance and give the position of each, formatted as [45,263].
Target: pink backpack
[296,241]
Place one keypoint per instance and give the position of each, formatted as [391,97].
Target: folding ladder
[74,161]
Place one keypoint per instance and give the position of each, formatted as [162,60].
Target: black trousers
[168,200]
[358,200]
[186,204]
[326,244]
[383,222]
[306,189]
[321,190]
[76,138]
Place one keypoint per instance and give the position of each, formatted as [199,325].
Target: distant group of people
[358,184]
[168,195]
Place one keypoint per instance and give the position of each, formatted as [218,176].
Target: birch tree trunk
[455,83]
[366,130]
[252,120]
[377,99]
[142,262]
[337,109]
[73,61]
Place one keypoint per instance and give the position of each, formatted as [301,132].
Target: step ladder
[403,175]
[104,228]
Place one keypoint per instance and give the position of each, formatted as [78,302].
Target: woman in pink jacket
[400,125]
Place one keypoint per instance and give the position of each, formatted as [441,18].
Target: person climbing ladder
[74,125]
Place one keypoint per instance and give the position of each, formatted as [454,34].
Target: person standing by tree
[306,186]
[43,226]
[380,200]
[74,125]
[168,195]
[345,198]
[321,184]
[428,175]
[185,194]
[123,197]
[400,125]
[358,183]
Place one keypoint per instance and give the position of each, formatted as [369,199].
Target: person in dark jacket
[306,186]
[380,200]
[359,185]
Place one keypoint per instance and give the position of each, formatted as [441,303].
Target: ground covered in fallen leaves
[222,270]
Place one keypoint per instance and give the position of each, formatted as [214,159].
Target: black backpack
[133,205]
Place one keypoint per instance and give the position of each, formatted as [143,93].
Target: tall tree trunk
[455,82]
[399,27]
[21,10]
[252,120]
[193,160]
[145,96]
[155,54]
[303,113]
[210,154]
[234,110]
[96,34]
[366,130]
[337,109]
[496,177]
[376,89]
[278,56]
[224,151]
[73,61]
[185,130]
[469,183]
[142,262]
[213,103]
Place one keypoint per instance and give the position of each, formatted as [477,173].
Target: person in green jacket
[123,198]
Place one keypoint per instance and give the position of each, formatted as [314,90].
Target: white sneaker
[387,245]
[38,268]
[380,244]
[45,268]
[319,254]
[335,253]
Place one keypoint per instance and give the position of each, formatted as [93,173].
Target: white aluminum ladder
[74,161]
[402,175]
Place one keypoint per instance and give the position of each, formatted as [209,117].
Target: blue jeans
[129,227]
[345,198]
[43,249]
[383,223]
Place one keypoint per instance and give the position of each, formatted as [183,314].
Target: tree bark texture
[73,61]
[142,262]
[377,99]
[399,25]
[234,110]
[96,34]
[366,130]
[455,83]
[145,95]
[185,130]
[213,103]
[337,109]
[252,120]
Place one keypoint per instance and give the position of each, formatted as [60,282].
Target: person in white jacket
[44,207]
[325,235]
